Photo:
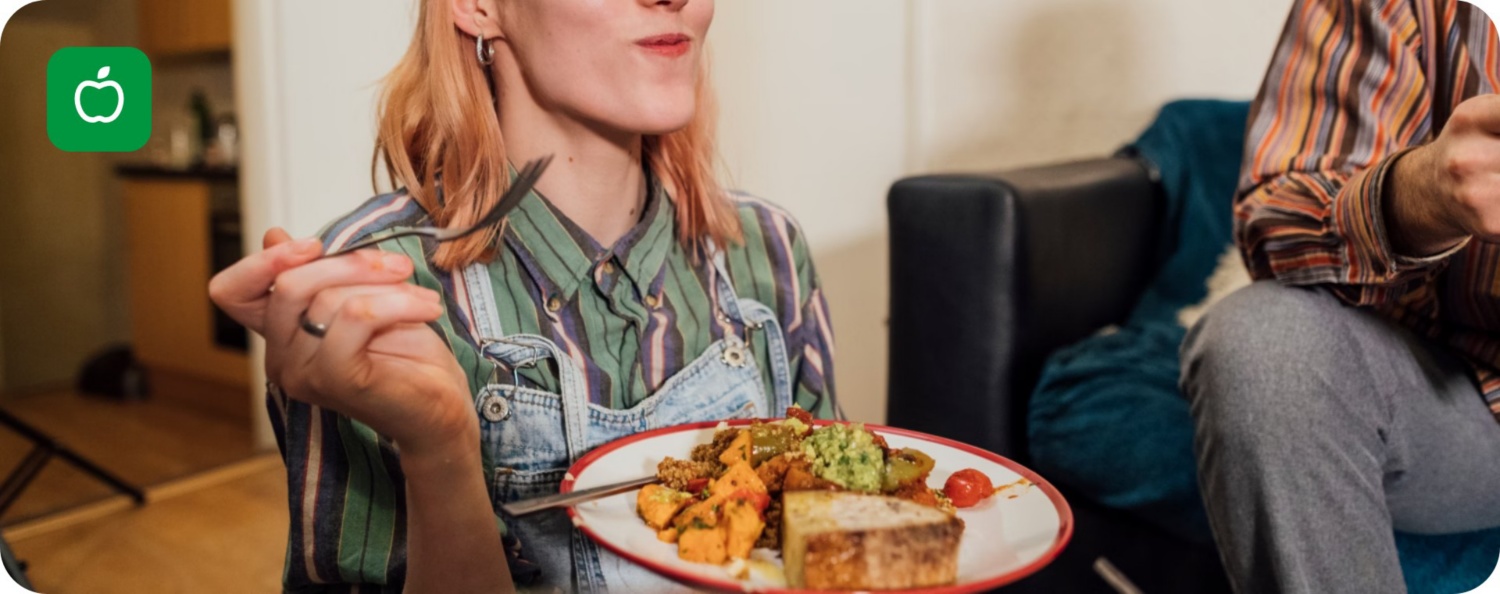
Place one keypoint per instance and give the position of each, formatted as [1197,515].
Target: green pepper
[768,441]
[904,466]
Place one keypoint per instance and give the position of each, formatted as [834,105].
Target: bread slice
[838,540]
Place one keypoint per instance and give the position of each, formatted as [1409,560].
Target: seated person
[1355,388]
[416,390]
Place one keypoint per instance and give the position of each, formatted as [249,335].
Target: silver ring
[315,329]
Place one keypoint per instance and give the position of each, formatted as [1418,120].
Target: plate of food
[794,505]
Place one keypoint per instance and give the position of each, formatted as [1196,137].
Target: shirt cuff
[1359,215]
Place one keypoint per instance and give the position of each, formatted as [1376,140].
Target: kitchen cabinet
[169,225]
[184,27]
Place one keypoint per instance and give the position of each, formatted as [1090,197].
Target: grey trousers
[1320,428]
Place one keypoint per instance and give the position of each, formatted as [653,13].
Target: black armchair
[989,275]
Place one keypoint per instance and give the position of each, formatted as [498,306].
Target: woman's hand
[244,289]
[378,362]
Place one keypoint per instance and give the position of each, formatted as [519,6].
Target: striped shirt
[633,315]
[1353,85]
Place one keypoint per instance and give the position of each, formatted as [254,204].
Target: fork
[525,180]
[521,508]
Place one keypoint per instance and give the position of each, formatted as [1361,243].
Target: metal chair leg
[46,448]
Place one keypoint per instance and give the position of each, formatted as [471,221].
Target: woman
[415,389]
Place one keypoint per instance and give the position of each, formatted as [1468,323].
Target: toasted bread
[838,540]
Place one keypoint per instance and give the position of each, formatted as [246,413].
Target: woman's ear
[479,18]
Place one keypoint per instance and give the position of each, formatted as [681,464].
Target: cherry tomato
[968,487]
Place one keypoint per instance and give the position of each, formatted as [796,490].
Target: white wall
[309,74]
[814,117]
[824,104]
[306,79]
[1012,82]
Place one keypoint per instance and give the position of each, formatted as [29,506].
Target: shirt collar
[561,256]
[644,249]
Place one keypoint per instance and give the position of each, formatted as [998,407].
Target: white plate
[1004,539]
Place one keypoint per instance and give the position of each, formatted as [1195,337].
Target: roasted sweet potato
[743,523]
[703,545]
[657,505]
[709,452]
[738,450]
[772,472]
[704,514]
[739,476]
[800,477]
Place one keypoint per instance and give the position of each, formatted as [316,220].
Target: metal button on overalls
[494,408]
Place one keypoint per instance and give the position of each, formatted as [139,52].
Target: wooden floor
[223,531]
[215,519]
[147,443]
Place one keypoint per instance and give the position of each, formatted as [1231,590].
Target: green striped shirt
[633,314]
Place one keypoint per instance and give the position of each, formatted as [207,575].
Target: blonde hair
[438,115]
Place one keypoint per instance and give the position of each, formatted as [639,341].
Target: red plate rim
[1064,512]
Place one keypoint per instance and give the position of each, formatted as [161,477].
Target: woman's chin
[658,124]
[654,113]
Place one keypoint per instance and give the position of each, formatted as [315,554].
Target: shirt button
[652,301]
[553,303]
[609,267]
[495,408]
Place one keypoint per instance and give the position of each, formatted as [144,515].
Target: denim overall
[531,437]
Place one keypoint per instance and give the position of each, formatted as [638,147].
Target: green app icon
[99,99]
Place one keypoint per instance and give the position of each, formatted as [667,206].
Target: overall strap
[727,301]
[485,312]
[524,349]
[756,316]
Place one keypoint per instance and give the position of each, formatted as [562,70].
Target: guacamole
[846,455]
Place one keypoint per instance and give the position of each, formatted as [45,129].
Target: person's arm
[405,504]
[362,508]
[1324,134]
[1440,194]
[453,545]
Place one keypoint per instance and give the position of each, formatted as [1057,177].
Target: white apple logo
[78,98]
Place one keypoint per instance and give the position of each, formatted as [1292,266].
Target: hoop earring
[485,52]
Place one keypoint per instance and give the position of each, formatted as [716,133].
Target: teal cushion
[1448,563]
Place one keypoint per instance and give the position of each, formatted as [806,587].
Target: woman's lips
[671,45]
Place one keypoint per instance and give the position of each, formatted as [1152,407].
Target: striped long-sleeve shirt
[634,314]
[1353,84]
